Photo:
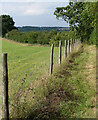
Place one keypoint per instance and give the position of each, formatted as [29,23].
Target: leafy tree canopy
[7,24]
[81,17]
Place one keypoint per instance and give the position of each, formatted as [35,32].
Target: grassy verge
[68,93]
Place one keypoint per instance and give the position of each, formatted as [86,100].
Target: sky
[33,13]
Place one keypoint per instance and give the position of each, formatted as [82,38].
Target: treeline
[31,28]
[82,19]
[38,37]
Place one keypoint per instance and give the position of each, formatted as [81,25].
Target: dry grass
[23,44]
[90,69]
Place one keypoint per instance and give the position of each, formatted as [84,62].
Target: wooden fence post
[78,43]
[51,59]
[71,45]
[65,49]
[68,47]
[60,52]
[5,87]
[75,44]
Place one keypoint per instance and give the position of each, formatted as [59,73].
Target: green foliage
[81,17]
[41,37]
[93,37]
[31,37]
[14,35]
[7,24]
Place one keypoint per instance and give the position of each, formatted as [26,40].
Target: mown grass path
[90,69]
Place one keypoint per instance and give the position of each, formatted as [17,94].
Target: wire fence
[22,73]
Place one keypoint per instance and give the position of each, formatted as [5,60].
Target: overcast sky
[33,13]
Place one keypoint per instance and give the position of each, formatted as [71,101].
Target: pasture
[26,63]
[32,92]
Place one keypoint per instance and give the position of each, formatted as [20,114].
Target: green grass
[26,64]
[69,92]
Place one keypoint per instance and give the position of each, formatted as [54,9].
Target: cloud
[36,14]
[4,1]
[35,9]
[28,9]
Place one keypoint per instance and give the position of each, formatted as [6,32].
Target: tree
[7,24]
[31,37]
[79,16]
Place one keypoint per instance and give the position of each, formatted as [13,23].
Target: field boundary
[70,46]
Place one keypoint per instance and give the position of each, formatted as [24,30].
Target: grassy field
[26,63]
[68,93]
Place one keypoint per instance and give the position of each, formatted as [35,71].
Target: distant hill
[31,28]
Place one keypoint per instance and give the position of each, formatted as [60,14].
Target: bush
[92,39]
[42,37]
